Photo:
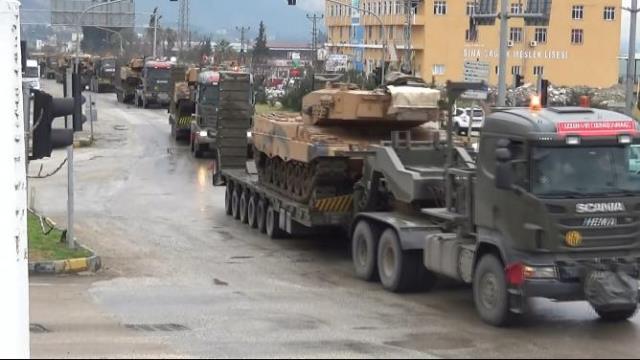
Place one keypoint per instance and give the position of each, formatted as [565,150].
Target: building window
[440,7]
[515,70]
[515,34]
[470,7]
[399,7]
[471,36]
[516,8]
[370,32]
[540,35]
[380,33]
[609,13]
[577,13]
[340,33]
[390,32]
[577,36]
[438,69]
[379,10]
[538,70]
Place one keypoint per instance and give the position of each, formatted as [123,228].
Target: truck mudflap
[611,290]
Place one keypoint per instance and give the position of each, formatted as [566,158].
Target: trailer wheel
[235,204]
[252,218]
[272,224]
[364,249]
[227,198]
[617,315]
[244,199]
[490,293]
[399,270]
[261,215]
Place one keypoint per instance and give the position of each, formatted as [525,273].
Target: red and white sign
[596,128]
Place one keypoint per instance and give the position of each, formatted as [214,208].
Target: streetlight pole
[384,30]
[79,29]
[631,58]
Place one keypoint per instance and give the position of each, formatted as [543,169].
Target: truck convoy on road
[128,79]
[548,207]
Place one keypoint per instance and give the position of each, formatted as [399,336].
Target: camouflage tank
[312,155]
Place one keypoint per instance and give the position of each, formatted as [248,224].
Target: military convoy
[526,216]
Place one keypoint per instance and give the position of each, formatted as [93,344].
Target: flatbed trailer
[276,215]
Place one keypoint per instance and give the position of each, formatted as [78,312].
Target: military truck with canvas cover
[103,74]
[154,87]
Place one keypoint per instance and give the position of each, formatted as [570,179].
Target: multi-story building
[579,46]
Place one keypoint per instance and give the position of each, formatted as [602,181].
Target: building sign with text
[482,53]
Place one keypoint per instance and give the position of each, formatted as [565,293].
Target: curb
[80,143]
[92,263]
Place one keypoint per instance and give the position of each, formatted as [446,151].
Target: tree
[223,50]
[260,49]
[205,48]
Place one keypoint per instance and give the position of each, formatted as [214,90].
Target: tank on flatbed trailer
[182,84]
[128,78]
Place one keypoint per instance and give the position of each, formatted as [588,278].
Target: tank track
[302,182]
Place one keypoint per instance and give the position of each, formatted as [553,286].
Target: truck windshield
[160,76]
[31,72]
[111,63]
[586,171]
[209,95]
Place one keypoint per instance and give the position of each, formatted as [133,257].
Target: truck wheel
[244,199]
[227,198]
[273,224]
[364,248]
[399,270]
[490,293]
[617,315]
[252,219]
[235,204]
[261,215]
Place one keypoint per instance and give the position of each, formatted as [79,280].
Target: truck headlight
[203,133]
[540,272]
[573,140]
[249,136]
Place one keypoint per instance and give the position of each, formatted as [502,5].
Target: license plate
[600,222]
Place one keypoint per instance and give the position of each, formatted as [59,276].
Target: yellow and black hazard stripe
[184,121]
[334,204]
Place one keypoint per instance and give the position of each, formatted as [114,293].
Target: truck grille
[625,232]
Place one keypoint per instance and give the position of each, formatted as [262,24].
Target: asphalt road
[184,280]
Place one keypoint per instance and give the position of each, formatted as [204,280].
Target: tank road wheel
[399,270]
[364,248]
[252,205]
[227,198]
[235,204]
[244,199]
[273,224]
[261,215]
[490,293]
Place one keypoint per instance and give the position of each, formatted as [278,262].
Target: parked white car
[463,116]
[32,74]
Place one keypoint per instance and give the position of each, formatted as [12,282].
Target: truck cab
[207,100]
[154,88]
[104,74]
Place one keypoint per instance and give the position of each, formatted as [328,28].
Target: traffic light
[45,109]
[519,80]
[544,92]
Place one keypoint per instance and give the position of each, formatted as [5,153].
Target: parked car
[463,116]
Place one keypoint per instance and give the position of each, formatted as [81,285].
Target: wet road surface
[183,279]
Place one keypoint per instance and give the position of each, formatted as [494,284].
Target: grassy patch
[266,108]
[44,247]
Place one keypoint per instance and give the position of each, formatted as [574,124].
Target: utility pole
[14,312]
[314,46]
[242,31]
[183,24]
[408,8]
[631,58]
[502,66]
[155,30]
